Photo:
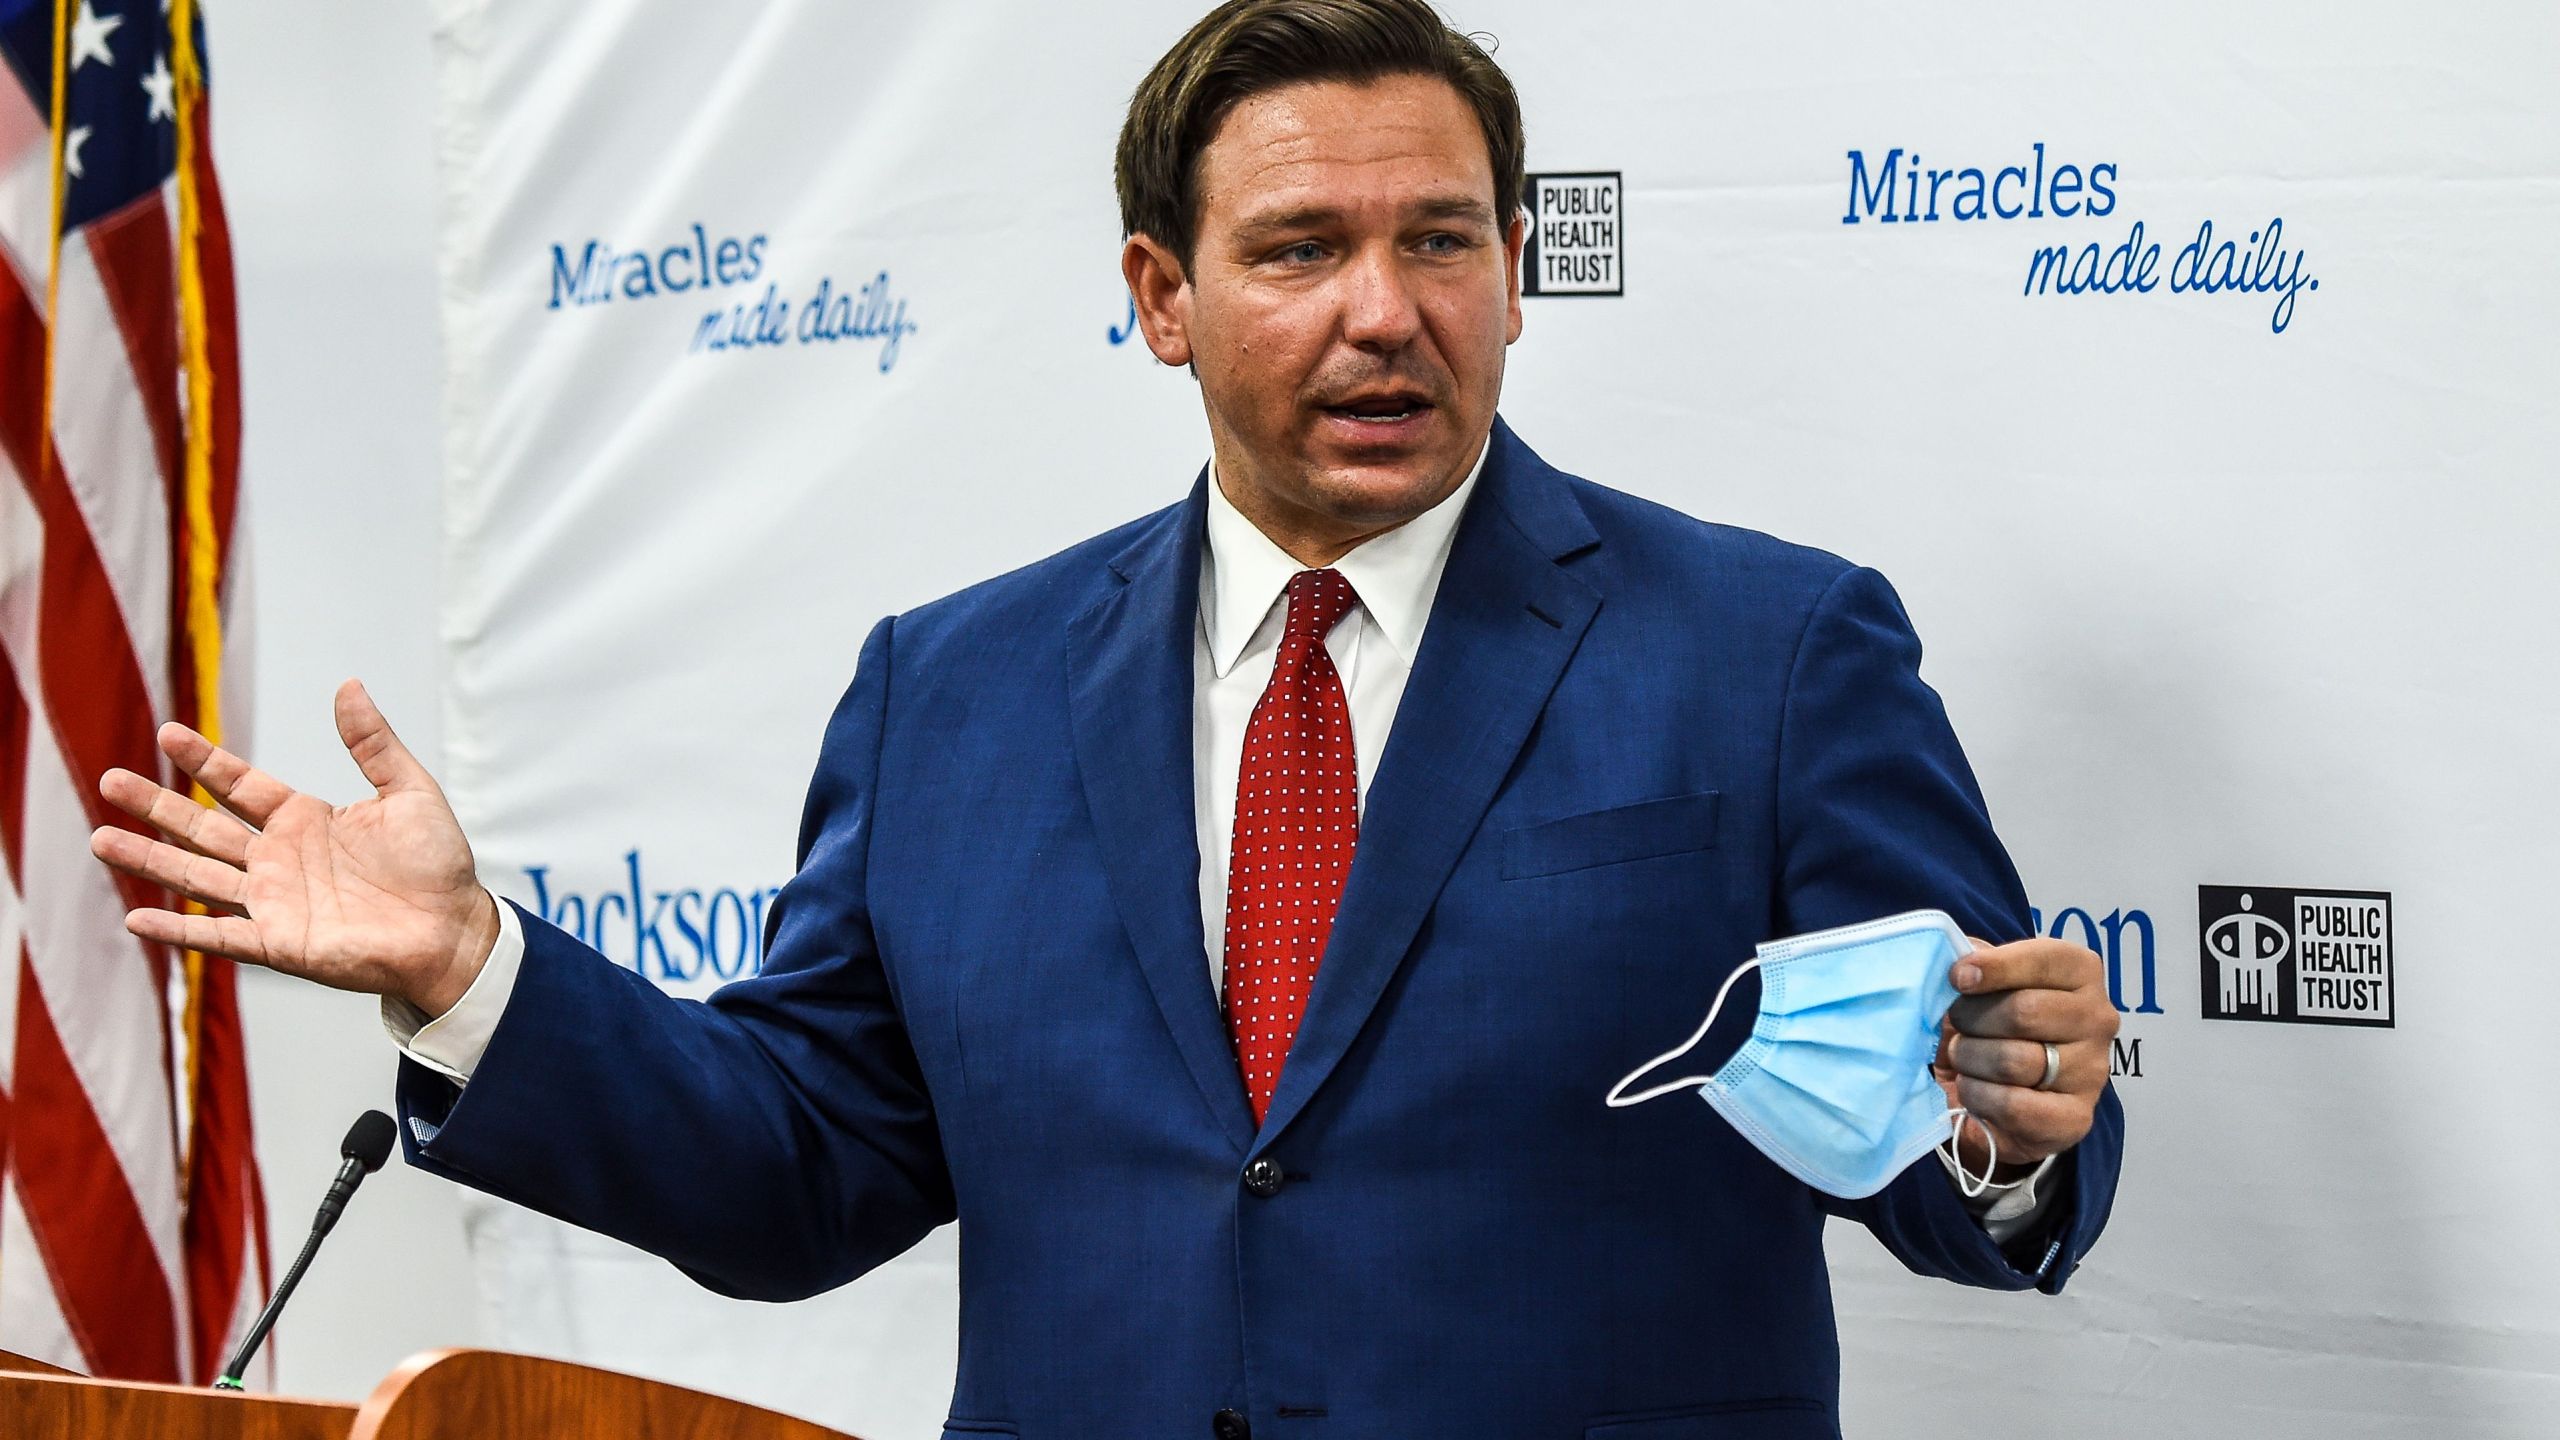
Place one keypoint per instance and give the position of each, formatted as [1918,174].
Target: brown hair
[1246,47]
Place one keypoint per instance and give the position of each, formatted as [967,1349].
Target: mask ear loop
[1965,1181]
[1620,1102]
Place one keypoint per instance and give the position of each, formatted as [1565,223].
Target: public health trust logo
[2315,957]
[1577,234]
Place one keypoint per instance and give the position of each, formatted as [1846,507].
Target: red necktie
[1297,818]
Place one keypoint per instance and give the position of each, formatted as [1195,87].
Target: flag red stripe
[13,799]
[106,1272]
[90,682]
[13,772]
[222,1200]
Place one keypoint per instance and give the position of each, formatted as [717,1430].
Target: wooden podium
[441,1395]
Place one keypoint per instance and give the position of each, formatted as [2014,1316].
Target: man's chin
[1382,489]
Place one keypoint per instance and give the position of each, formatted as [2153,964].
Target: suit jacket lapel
[1505,621]
[1129,693]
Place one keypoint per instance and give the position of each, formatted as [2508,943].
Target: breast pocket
[1645,830]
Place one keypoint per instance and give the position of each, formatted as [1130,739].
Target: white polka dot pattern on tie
[1297,820]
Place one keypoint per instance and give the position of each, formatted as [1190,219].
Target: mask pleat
[1845,1107]
[1888,967]
[1879,1024]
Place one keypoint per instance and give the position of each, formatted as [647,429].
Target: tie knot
[1318,599]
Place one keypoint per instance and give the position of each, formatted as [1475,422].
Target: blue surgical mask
[1834,1083]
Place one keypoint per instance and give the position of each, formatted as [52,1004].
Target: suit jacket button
[1263,1177]
[1230,1424]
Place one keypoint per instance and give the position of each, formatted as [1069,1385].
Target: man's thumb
[386,763]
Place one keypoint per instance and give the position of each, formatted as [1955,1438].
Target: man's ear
[1163,295]
[1513,240]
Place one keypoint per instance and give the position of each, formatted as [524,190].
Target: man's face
[1346,308]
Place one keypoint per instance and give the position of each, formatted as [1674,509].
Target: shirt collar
[1395,574]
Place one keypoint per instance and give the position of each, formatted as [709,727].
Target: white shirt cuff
[451,1044]
[2007,1209]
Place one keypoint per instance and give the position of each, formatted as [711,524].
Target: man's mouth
[1385,409]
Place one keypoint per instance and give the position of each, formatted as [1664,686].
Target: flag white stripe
[21,560]
[26,188]
[26,206]
[30,1313]
[13,933]
[104,438]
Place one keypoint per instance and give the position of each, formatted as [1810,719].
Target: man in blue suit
[1236,919]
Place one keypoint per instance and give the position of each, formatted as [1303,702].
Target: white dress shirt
[1244,608]
[1244,580]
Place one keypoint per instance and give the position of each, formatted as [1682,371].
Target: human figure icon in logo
[2247,947]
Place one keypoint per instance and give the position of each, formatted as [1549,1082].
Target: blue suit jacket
[1633,745]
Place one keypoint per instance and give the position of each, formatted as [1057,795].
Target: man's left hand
[2013,1001]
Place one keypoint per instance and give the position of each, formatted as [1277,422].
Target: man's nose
[1378,309]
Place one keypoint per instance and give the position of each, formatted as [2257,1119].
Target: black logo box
[2227,929]
[1532,266]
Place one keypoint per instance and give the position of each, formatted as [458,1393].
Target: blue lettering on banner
[744,327]
[828,317]
[601,272]
[2110,936]
[867,314]
[1900,188]
[1893,189]
[597,272]
[672,934]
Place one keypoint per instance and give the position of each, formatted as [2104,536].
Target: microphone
[367,1145]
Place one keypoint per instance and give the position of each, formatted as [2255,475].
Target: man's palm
[377,896]
[340,894]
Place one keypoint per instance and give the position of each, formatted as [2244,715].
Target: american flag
[132,1229]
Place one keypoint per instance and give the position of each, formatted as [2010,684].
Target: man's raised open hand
[378,896]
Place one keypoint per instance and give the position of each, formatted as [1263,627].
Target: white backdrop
[2227,586]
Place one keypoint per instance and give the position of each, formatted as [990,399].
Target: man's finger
[203,830]
[377,750]
[213,934]
[2027,965]
[197,877]
[245,791]
[2057,1015]
[2021,1062]
[2031,1123]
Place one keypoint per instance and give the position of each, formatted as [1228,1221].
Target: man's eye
[1443,243]
[1305,252]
